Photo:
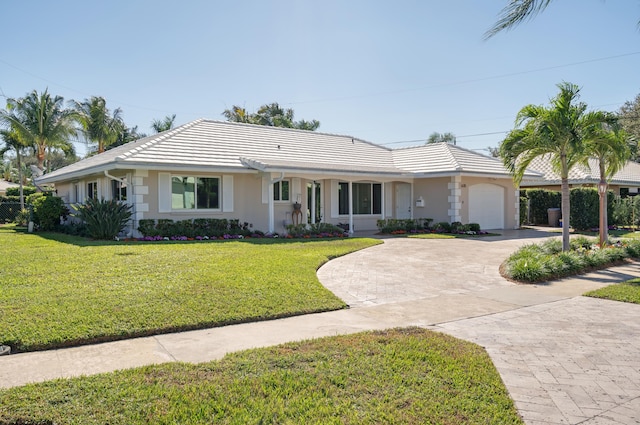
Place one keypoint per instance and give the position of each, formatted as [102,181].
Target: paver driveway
[565,359]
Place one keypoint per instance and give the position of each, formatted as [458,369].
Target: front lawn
[401,376]
[58,290]
[628,292]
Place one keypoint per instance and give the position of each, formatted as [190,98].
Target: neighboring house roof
[442,158]
[4,185]
[203,145]
[581,174]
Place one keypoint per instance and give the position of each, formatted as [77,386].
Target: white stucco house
[214,169]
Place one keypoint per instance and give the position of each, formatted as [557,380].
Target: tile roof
[205,144]
[581,174]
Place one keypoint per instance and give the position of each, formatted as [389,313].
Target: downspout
[271,205]
[129,199]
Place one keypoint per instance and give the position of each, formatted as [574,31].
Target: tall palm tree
[559,131]
[98,124]
[610,147]
[41,121]
[13,142]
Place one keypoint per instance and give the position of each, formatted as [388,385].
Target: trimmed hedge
[193,228]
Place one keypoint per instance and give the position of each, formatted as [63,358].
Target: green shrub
[540,200]
[474,227]
[524,210]
[442,226]
[26,191]
[537,262]
[103,219]
[23,217]
[47,210]
[147,226]
[585,208]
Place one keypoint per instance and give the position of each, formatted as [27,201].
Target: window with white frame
[92,190]
[189,192]
[118,190]
[367,198]
[281,191]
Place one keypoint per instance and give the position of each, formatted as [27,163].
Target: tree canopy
[436,137]
[271,114]
[167,123]
[41,121]
[99,126]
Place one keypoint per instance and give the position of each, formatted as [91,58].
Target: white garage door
[486,205]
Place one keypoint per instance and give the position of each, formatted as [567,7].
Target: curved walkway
[565,359]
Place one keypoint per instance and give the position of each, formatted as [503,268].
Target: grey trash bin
[554,217]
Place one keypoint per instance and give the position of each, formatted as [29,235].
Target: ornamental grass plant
[546,261]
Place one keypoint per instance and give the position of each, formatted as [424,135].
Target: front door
[403,200]
[314,216]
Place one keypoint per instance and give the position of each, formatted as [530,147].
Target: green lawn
[58,290]
[628,292]
[401,376]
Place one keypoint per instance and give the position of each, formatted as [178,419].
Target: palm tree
[164,124]
[41,121]
[238,114]
[610,147]
[516,12]
[98,124]
[13,142]
[559,131]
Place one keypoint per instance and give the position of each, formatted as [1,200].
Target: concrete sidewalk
[564,358]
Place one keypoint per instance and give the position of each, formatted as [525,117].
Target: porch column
[313,202]
[382,215]
[350,207]
[271,209]
[454,199]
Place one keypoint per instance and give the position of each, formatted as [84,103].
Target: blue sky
[386,72]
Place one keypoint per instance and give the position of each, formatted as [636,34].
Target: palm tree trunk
[566,208]
[40,156]
[20,179]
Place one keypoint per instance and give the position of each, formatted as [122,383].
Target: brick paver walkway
[575,361]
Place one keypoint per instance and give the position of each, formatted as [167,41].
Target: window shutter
[335,212]
[227,193]
[388,200]
[164,192]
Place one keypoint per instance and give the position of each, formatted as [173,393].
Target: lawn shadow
[86,242]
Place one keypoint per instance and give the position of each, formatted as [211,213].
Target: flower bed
[546,261]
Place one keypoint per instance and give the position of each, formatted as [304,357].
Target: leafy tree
[272,115]
[126,135]
[167,123]
[610,147]
[436,137]
[98,124]
[559,131]
[629,118]
[13,142]
[41,121]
